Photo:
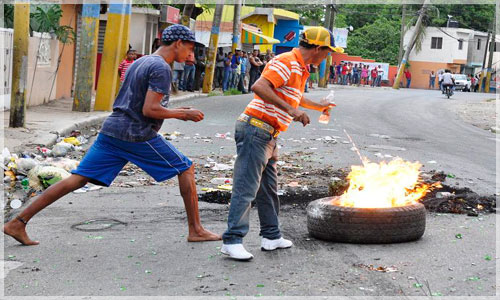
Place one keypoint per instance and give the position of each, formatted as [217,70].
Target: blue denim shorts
[108,155]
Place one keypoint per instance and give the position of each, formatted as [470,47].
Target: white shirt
[447,78]
[440,77]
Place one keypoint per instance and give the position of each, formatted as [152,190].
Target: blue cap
[178,32]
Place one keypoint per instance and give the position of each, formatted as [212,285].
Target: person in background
[476,86]
[235,63]
[243,71]
[364,75]
[156,45]
[200,70]
[374,74]
[312,76]
[255,65]
[432,80]
[472,82]
[380,74]
[219,68]
[264,62]
[338,72]
[122,68]
[332,74]
[408,78]
[344,73]
[227,71]
[355,74]
[177,75]
[189,70]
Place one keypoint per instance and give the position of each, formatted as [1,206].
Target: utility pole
[186,14]
[490,59]
[236,26]
[481,76]
[402,36]
[212,48]
[20,64]
[115,47]
[329,23]
[87,57]
[410,45]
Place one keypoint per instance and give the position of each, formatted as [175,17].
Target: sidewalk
[45,123]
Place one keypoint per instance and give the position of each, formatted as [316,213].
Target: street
[147,254]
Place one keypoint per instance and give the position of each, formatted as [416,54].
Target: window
[460,44]
[478,44]
[436,43]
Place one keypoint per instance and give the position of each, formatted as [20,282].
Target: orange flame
[384,185]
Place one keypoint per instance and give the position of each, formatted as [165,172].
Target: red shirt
[408,74]
[374,72]
[344,70]
[123,68]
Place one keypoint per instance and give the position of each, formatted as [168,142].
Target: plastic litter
[63,163]
[61,149]
[16,203]
[27,164]
[41,177]
[221,167]
[221,180]
[72,140]
[325,118]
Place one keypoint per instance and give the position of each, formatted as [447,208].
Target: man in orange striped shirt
[278,94]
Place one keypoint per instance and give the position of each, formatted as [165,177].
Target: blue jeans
[408,82]
[225,80]
[188,77]
[232,80]
[177,75]
[255,177]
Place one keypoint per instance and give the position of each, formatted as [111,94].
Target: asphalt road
[149,255]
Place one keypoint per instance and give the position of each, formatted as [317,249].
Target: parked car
[462,83]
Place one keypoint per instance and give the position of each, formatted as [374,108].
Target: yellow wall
[420,71]
[266,27]
[65,73]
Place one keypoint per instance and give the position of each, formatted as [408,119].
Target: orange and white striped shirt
[288,74]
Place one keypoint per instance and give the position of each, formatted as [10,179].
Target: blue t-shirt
[227,67]
[243,61]
[235,61]
[127,121]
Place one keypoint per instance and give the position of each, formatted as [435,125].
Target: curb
[95,120]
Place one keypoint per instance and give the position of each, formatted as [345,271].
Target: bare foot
[17,230]
[203,235]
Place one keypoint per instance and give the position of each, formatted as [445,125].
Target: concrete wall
[65,75]
[449,52]
[38,90]
[138,29]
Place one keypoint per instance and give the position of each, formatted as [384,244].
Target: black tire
[331,222]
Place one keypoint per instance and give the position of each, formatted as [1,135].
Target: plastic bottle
[26,184]
[325,116]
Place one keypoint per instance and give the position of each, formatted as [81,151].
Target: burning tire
[328,221]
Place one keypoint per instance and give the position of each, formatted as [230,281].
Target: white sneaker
[269,245]
[236,251]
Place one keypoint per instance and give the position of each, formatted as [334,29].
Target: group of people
[348,73]
[239,70]
[130,134]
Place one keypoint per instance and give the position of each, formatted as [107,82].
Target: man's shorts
[108,155]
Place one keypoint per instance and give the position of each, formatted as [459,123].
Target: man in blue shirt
[235,61]
[130,133]
[243,65]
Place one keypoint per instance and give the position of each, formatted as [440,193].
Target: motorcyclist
[448,80]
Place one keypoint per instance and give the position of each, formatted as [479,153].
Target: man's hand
[325,105]
[300,116]
[192,115]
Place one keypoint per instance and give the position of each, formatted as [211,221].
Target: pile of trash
[27,173]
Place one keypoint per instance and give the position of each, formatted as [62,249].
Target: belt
[259,124]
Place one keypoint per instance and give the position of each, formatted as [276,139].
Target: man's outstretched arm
[153,109]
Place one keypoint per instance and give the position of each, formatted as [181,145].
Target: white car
[462,83]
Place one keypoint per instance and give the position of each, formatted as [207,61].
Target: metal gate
[6,47]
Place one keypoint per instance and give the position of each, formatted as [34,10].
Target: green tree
[378,40]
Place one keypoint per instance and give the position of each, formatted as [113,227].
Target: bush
[232,92]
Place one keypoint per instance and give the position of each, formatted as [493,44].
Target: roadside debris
[379,268]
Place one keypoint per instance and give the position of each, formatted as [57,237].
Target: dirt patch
[481,114]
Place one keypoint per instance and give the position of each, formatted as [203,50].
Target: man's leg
[250,163]
[16,227]
[268,204]
[187,187]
